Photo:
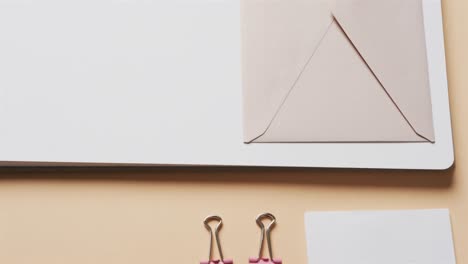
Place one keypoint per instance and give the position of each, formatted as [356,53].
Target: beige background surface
[154,215]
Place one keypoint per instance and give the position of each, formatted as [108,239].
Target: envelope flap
[389,35]
[278,39]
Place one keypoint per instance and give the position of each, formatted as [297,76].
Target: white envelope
[335,71]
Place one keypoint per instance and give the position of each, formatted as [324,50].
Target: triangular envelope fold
[389,35]
[338,99]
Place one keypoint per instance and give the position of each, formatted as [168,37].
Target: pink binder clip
[265,232]
[214,234]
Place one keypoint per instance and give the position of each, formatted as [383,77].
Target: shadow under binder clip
[214,234]
[265,233]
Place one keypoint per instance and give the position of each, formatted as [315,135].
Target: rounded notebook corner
[449,163]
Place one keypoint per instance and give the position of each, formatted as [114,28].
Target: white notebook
[158,82]
[385,237]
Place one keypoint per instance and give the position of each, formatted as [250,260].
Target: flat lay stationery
[300,83]
[182,85]
[358,237]
[369,237]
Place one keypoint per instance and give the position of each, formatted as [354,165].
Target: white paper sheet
[383,237]
[158,82]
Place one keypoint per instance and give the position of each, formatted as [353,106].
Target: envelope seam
[294,83]
[378,80]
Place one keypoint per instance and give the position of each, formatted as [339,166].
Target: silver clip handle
[214,234]
[265,232]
